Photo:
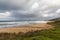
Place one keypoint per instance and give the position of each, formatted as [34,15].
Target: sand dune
[26,28]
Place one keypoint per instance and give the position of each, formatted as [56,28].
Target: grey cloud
[30,9]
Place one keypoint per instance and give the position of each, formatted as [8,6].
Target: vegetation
[51,34]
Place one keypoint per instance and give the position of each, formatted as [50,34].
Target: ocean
[4,24]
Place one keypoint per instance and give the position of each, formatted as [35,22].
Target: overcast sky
[29,9]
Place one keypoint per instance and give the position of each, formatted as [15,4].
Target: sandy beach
[26,28]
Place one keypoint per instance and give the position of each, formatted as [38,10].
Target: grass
[51,34]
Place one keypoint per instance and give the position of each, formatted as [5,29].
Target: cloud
[5,15]
[29,9]
[58,11]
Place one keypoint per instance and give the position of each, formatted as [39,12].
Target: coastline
[26,28]
[19,23]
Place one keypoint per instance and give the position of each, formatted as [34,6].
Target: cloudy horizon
[29,9]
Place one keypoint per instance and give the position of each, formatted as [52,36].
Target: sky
[29,9]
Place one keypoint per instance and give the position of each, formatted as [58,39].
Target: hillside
[55,19]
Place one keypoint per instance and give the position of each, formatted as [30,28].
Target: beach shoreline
[26,28]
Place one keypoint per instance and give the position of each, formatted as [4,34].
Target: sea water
[18,23]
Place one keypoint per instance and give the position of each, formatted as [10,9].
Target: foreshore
[26,28]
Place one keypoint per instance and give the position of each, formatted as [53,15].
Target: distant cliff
[55,19]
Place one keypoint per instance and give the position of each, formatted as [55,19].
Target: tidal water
[17,23]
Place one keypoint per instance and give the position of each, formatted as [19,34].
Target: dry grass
[26,28]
